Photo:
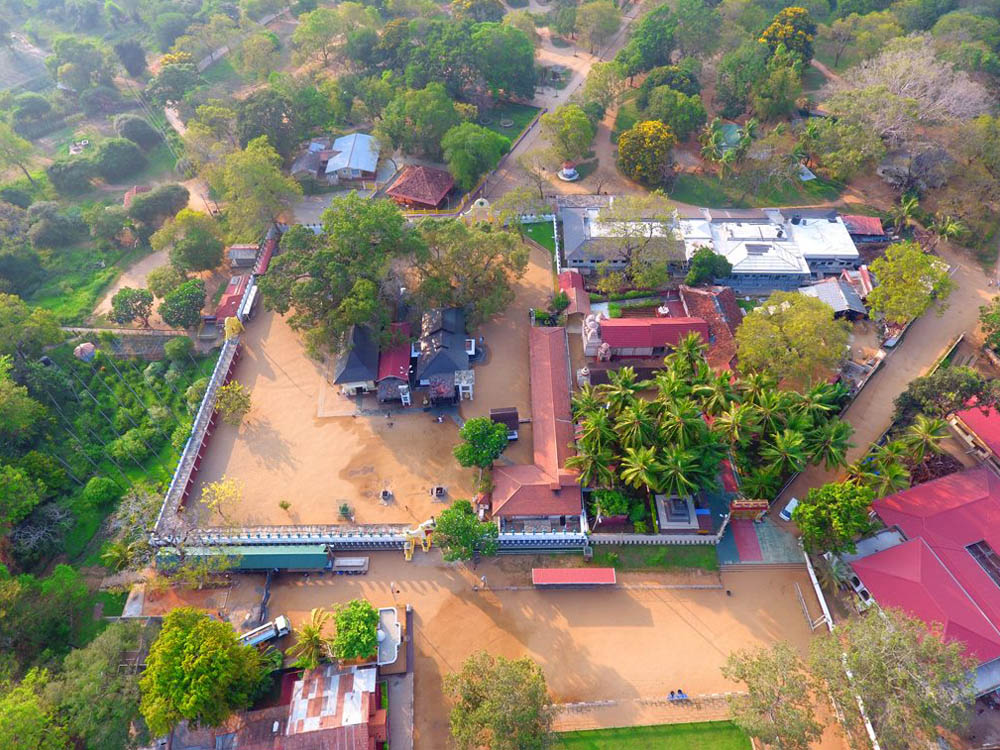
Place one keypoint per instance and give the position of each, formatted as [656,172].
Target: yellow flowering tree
[644,152]
[793,28]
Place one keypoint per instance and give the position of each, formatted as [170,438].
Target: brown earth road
[871,411]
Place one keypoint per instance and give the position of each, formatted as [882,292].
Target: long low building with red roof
[938,562]
[637,337]
[543,495]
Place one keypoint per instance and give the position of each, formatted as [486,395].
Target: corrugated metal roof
[252,557]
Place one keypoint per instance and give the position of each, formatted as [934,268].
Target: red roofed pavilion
[641,336]
[421,187]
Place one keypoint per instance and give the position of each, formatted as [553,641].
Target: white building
[768,248]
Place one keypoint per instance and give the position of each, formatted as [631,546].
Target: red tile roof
[867,225]
[395,362]
[132,192]
[986,426]
[231,297]
[420,184]
[645,333]
[572,576]
[941,519]
[264,261]
[545,488]
[718,307]
[571,282]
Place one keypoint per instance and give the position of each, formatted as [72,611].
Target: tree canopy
[793,337]
[194,240]
[705,266]
[356,636]
[461,535]
[569,131]
[500,704]
[471,151]
[197,670]
[831,517]
[644,152]
[909,282]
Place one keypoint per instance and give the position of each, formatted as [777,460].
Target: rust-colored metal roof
[571,282]
[647,333]
[395,361]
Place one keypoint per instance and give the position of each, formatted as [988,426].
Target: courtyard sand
[282,451]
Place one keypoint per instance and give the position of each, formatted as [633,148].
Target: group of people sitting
[678,695]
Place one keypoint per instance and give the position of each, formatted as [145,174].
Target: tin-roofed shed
[252,557]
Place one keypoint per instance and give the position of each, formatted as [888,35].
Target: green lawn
[625,118]
[665,557]
[709,191]
[704,735]
[542,233]
[520,114]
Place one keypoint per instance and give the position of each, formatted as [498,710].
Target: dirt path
[511,175]
[871,412]
[829,74]
[134,276]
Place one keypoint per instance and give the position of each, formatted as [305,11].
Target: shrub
[130,447]
[158,204]
[118,158]
[137,130]
[100,99]
[179,349]
[71,176]
[16,197]
[100,492]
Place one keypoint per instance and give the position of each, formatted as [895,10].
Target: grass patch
[89,627]
[709,191]
[665,557]
[700,190]
[587,168]
[520,114]
[812,79]
[221,71]
[704,735]
[626,117]
[160,160]
[542,233]
[748,304]
[558,41]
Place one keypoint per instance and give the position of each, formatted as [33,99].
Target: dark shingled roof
[420,184]
[442,343]
[360,362]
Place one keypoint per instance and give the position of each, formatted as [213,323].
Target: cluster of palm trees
[714,146]
[895,465]
[673,441]
[311,647]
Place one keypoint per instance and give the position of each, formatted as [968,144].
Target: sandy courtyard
[282,451]
[621,644]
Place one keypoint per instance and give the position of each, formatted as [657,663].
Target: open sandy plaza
[654,633]
[303,442]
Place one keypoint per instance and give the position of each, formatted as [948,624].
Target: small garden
[669,436]
[649,557]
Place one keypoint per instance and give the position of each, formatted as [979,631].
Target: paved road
[871,412]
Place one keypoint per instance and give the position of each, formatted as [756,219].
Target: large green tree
[505,56]
[470,151]
[651,42]
[909,282]
[596,22]
[21,416]
[131,304]
[417,120]
[681,113]
[705,266]
[96,699]
[483,440]
[944,391]
[461,535]
[777,708]
[569,132]
[469,267]
[337,280]
[197,670]
[499,704]
[26,722]
[357,626]
[832,516]
[911,680]
[181,308]
[26,331]
[793,337]
[194,240]
[268,113]
[255,189]
[15,151]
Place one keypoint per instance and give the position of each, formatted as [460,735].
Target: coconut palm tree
[815,403]
[640,469]
[891,477]
[760,484]
[311,647]
[713,140]
[786,452]
[738,424]
[681,424]
[594,466]
[754,385]
[717,394]
[636,425]
[117,555]
[678,472]
[621,389]
[596,430]
[687,355]
[828,444]
[861,472]
[831,573]
[894,450]
[670,385]
[906,210]
[586,400]
[770,411]
[925,437]
[947,227]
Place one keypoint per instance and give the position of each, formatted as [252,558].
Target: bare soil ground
[640,640]
[282,451]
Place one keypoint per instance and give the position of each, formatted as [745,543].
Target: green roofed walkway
[252,557]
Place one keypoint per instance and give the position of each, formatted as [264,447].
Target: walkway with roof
[747,542]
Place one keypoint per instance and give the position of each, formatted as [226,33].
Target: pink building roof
[986,426]
[264,261]
[395,361]
[648,333]
[572,576]
[934,575]
[867,225]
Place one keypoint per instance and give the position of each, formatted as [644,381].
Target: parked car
[786,512]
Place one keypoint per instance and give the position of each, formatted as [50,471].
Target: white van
[786,512]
